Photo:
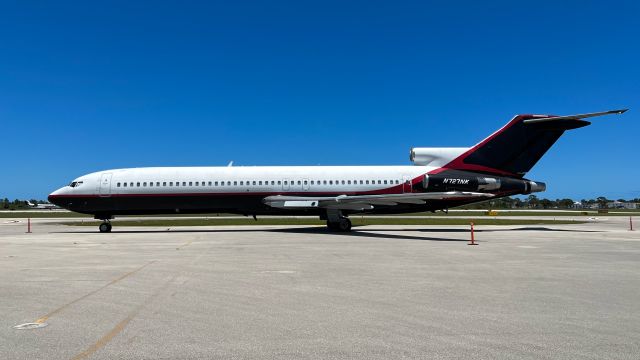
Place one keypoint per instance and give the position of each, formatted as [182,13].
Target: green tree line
[17,204]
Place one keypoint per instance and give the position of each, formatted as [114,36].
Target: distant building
[621,205]
[577,205]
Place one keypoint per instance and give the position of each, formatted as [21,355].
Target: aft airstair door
[406,184]
[105,185]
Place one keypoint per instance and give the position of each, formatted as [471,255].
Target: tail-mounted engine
[454,180]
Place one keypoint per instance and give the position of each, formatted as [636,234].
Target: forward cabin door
[406,183]
[105,185]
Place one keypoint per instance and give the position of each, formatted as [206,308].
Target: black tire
[332,226]
[344,225]
[104,227]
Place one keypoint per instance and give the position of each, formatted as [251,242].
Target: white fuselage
[234,180]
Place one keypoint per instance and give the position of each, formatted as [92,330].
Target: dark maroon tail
[516,148]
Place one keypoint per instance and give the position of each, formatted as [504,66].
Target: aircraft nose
[54,197]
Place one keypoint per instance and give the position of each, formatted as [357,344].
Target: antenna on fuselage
[230,163]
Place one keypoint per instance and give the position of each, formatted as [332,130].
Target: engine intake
[434,156]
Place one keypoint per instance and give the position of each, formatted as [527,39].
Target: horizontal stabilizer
[574,117]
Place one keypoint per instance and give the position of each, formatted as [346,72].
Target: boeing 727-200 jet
[440,178]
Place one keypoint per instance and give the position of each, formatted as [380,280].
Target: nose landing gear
[105,227]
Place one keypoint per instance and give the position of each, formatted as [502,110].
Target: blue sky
[87,86]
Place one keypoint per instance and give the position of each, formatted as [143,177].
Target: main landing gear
[342,225]
[338,222]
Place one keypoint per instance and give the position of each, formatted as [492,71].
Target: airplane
[42,206]
[439,179]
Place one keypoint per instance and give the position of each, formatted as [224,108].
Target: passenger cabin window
[118,184]
[124,184]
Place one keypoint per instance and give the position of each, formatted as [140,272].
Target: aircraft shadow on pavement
[372,233]
[299,230]
[498,230]
[362,233]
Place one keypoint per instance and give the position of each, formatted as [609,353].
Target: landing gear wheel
[342,225]
[105,227]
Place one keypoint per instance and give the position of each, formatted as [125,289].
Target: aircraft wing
[364,202]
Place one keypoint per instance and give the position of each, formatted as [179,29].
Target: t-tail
[515,148]
[497,164]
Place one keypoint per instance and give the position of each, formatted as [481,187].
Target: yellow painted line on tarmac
[122,324]
[105,339]
[122,277]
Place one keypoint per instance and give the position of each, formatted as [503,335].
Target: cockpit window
[75,183]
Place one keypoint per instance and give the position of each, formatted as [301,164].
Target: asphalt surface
[381,292]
